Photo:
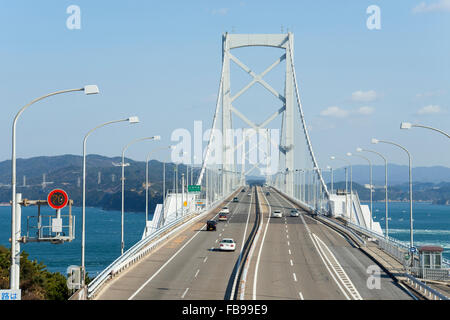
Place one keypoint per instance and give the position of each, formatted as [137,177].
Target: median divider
[240,292]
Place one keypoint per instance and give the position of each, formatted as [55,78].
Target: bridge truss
[284,154]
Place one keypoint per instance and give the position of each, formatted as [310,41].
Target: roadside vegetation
[36,282]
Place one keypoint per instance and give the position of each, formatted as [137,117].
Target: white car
[294,213]
[225,210]
[227,244]
[277,214]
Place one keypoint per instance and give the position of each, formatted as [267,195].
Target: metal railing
[430,274]
[424,289]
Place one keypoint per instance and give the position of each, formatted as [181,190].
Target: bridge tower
[233,41]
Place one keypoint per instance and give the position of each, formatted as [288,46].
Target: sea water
[431,223]
[102,238]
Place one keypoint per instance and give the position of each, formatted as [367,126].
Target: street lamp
[385,186]
[331,177]
[123,179]
[15,263]
[351,183]
[131,120]
[407,125]
[375,141]
[146,179]
[371,186]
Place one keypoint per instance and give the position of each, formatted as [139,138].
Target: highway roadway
[292,258]
[300,258]
[189,266]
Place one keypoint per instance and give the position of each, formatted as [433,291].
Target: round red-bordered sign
[57,199]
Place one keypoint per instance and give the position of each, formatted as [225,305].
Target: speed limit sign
[57,199]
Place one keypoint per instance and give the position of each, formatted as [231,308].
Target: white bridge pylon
[285,147]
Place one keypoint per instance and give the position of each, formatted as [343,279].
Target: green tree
[36,282]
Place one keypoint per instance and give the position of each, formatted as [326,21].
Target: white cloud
[441,5]
[430,94]
[221,11]
[365,111]
[335,112]
[364,96]
[430,109]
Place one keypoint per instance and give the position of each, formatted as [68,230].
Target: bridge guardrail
[142,247]
[307,207]
[424,289]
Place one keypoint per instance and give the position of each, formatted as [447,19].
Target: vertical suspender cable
[304,123]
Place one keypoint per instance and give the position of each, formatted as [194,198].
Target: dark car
[211,225]
[267,193]
[235,199]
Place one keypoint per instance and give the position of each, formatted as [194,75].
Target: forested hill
[103,183]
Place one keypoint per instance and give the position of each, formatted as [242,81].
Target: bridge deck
[297,258]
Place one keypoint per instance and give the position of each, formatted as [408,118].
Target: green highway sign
[194,188]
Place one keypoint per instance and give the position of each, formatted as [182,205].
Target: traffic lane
[369,279]
[178,276]
[313,280]
[128,282]
[359,268]
[215,279]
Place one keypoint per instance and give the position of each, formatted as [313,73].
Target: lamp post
[385,187]
[15,250]
[351,184]
[123,181]
[370,182]
[131,120]
[331,177]
[375,141]
[146,179]
[407,125]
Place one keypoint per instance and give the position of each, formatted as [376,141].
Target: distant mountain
[397,174]
[103,182]
[438,194]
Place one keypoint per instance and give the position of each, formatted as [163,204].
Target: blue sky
[161,60]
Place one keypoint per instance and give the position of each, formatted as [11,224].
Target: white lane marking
[289,251]
[182,297]
[223,230]
[217,240]
[196,274]
[288,243]
[301,296]
[291,262]
[204,260]
[242,245]
[322,258]
[260,249]
[295,277]
[220,235]
[287,236]
[338,270]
